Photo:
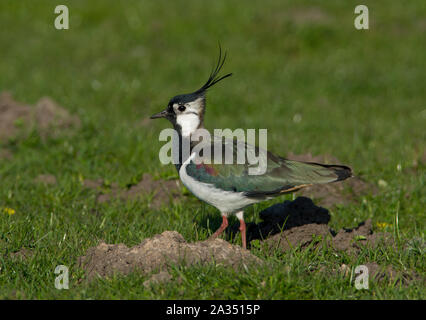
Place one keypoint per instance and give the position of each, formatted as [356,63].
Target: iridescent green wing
[280,175]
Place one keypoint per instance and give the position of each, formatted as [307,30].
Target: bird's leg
[243,233]
[240,216]
[221,228]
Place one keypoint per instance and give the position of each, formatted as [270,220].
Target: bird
[229,186]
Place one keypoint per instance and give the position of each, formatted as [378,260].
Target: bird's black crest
[213,78]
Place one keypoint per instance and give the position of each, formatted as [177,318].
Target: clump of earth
[46,179]
[418,164]
[160,252]
[22,254]
[17,119]
[376,272]
[6,154]
[158,190]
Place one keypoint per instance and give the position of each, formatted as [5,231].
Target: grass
[359,94]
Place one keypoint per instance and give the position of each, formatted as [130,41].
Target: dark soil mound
[160,190]
[6,154]
[46,179]
[48,118]
[22,254]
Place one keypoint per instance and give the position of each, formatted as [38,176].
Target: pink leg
[221,228]
[243,233]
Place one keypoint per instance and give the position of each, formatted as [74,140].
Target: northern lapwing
[229,187]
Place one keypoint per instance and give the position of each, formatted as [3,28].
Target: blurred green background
[301,70]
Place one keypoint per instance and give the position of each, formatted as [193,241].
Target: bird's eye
[181,108]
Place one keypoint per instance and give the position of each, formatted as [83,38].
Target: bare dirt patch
[376,273]
[48,118]
[418,164]
[159,253]
[337,193]
[160,191]
[6,154]
[46,179]
[161,277]
[145,122]
[95,184]
[352,240]
[309,15]
[381,273]
[22,254]
[297,237]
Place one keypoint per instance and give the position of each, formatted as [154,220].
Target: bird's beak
[162,114]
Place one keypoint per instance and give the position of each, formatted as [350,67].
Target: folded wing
[281,176]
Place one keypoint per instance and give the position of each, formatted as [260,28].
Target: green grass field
[359,94]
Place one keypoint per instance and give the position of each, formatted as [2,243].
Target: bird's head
[186,111]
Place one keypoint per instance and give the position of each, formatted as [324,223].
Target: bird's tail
[299,175]
[308,173]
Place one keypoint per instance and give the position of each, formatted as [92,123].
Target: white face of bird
[189,116]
